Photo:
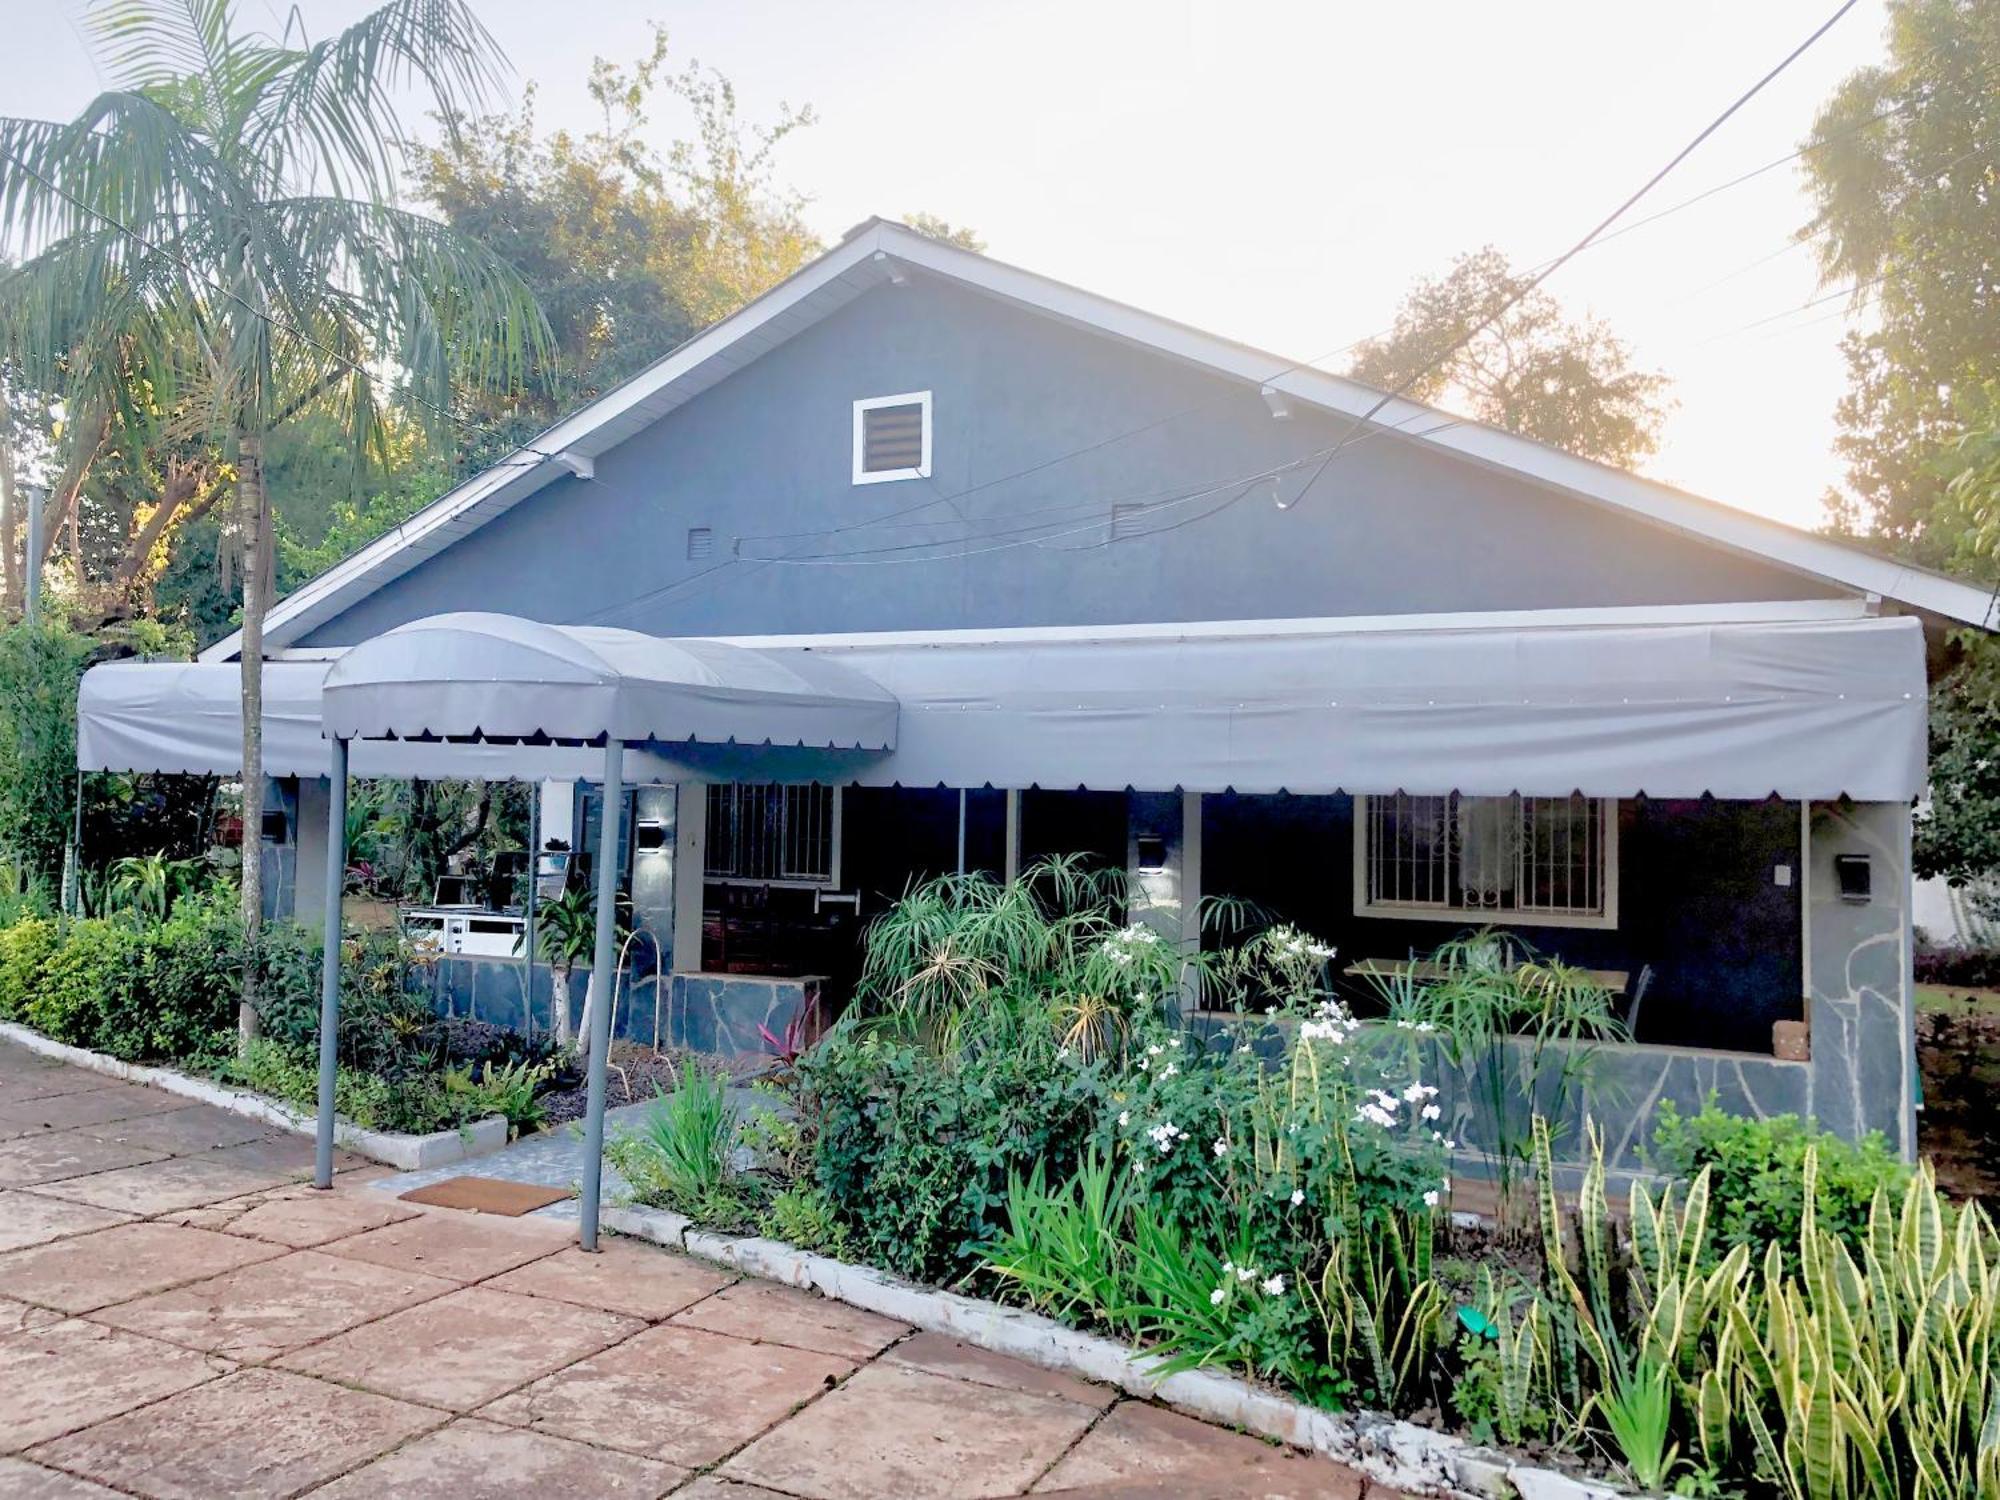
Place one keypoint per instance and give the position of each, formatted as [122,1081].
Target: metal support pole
[961,830]
[528,907]
[604,973]
[37,497]
[329,973]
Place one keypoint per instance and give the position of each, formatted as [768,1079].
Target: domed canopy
[494,677]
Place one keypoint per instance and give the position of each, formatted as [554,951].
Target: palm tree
[214,234]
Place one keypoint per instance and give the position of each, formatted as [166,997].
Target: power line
[1604,224]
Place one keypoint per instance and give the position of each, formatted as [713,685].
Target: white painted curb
[1403,1454]
[410,1153]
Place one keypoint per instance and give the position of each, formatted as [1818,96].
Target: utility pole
[36,494]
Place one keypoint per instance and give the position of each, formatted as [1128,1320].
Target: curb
[1398,1453]
[409,1153]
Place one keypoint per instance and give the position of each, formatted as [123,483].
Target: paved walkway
[181,1318]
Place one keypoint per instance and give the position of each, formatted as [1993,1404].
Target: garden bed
[1411,1457]
[408,1153]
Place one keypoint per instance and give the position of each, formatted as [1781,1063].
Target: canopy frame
[471,679]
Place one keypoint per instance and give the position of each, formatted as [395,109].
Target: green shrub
[192,975]
[917,1149]
[25,950]
[416,1104]
[1758,1171]
[89,987]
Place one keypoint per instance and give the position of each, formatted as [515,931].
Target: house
[1190,610]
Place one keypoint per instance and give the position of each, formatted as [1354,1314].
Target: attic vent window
[701,543]
[892,437]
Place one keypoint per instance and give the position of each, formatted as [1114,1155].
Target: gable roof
[880,250]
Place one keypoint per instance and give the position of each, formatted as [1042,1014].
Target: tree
[939,229]
[214,232]
[1564,381]
[630,250]
[1901,164]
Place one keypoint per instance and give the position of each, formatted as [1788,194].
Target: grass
[1954,997]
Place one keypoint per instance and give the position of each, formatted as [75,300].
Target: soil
[637,1073]
[1958,1054]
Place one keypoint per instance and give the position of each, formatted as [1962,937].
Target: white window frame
[920,399]
[1517,916]
[835,836]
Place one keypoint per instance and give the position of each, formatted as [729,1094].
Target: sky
[1278,172]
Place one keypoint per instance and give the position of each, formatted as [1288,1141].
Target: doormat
[486,1195]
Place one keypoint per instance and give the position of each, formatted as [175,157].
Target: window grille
[1534,857]
[773,834]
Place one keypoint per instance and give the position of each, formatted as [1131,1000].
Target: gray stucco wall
[1388,529]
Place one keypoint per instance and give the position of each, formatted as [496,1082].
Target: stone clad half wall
[1859,986]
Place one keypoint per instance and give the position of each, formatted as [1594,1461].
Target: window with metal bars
[892,437]
[1547,860]
[775,835]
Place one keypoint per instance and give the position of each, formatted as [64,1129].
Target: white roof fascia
[1621,616]
[650,395]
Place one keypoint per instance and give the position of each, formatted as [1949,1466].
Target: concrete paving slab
[184,1132]
[904,1432]
[464,1349]
[160,1187]
[121,1101]
[255,1435]
[1138,1441]
[805,1320]
[682,1395]
[35,1219]
[640,1281]
[117,1264]
[21,1480]
[21,1317]
[475,1460]
[714,1487]
[261,1311]
[941,1354]
[304,1217]
[465,1247]
[71,1374]
[55,1155]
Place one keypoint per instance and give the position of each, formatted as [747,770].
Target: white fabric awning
[188,717]
[1801,709]
[500,677]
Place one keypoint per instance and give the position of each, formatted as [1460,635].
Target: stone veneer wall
[1860,987]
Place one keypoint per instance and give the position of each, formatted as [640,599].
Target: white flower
[1061,1053]
[1165,1134]
[1298,1196]
[1169,1070]
[1215,1297]
[1417,1091]
[1374,1114]
[1124,1118]
[1172,1041]
[1154,1050]
[1144,1066]
[1227,1267]
[1221,1148]
[1431,1199]
[1431,1111]
[1246,1273]
[1274,1287]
